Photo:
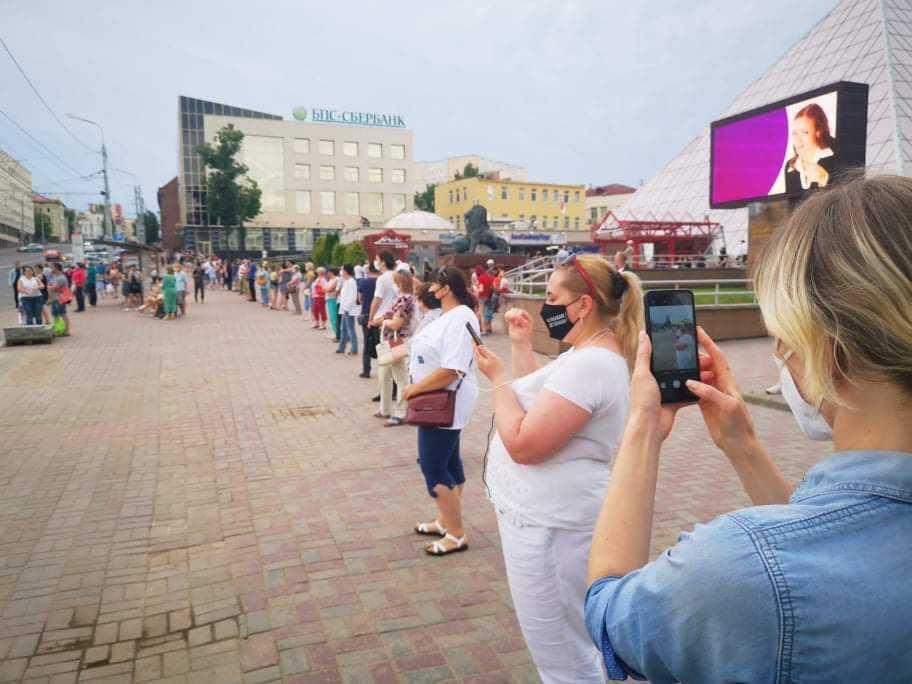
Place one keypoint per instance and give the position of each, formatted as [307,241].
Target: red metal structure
[669,235]
[389,240]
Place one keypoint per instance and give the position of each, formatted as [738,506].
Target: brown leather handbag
[433,409]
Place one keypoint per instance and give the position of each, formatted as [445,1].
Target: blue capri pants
[438,456]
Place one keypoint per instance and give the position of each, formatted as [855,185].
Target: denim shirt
[818,590]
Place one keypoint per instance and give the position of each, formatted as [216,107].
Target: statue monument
[479,237]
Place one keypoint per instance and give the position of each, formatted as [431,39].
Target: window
[593,214]
[397,151]
[375,150]
[397,176]
[554,196]
[398,204]
[302,145]
[576,223]
[302,171]
[327,173]
[265,159]
[522,194]
[503,192]
[352,204]
[351,174]
[465,195]
[328,147]
[302,201]
[350,149]
[278,238]
[567,222]
[451,196]
[302,239]
[375,175]
[522,217]
[566,197]
[576,197]
[533,220]
[490,190]
[327,203]
[532,194]
[375,204]
[253,239]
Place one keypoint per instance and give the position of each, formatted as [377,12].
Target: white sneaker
[774,389]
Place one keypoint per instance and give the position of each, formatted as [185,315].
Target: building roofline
[510,181]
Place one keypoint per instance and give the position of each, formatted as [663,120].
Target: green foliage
[230,197]
[338,255]
[425,200]
[354,254]
[70,215]
[469,171]
[153,230]
[323,249]
[42,226]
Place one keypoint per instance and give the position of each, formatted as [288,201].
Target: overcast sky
[576,91]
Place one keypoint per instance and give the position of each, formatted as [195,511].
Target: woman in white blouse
[558,426]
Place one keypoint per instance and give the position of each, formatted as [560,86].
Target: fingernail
[691,383]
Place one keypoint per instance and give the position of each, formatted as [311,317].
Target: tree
[150,221]
[354,253]
[425,200]
[323,249]
[469,171]
[42,226]
[231,197]
[338,254]
[70,215]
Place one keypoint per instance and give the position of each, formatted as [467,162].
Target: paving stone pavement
[210,499]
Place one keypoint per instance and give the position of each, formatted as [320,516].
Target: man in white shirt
[386,291]
[348,309]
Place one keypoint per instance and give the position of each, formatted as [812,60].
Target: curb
[766,402]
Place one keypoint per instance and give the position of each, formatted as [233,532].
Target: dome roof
[419,220]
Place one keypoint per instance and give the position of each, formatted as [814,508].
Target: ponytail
[630,319]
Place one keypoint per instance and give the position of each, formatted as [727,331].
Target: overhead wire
[41,144]
[39,96]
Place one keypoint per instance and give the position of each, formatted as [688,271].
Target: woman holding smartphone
[812,583]
[548,466]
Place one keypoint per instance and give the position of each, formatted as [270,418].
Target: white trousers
[395,372]
[546,569]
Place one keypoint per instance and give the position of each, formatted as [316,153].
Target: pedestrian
[78,278]
[125,289]
[182,284]
[262,284]
[14,276]
[251,280]
[805,584]
[428,307]
[242,278]
[332,300]
[318,295]
[60,295]
[485,290]
[348,309]
[385,292]
[370,335]
[395,330]
[29,291]
[42,279]
[558,426]
[169,289]
[286,272]
[273,284]
[307,284]
[441,357]
[199,284]
[294,289]
[91,285]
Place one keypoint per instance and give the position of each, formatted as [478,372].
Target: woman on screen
[814,158]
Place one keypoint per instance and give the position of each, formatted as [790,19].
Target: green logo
[300,113]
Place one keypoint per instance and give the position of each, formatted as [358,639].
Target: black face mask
[557,320]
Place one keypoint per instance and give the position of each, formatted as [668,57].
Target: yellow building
[544,206]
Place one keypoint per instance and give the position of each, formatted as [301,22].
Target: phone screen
[672,327]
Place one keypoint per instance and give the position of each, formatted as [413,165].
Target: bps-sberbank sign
[320,115]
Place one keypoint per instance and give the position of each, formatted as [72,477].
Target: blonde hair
[835,285]
[404,281]
[624,314]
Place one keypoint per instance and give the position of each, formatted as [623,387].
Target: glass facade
[352,204]
[278,239]
[398,203]
[350,149]
[265,159]
[253,238]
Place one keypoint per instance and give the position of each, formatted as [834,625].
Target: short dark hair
[426,297]
[348,268]
[372,268]
[388,259]
[58,266]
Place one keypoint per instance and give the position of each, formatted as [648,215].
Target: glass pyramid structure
[865,41]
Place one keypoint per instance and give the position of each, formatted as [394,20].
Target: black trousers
[16,292]
[80,299]
[93,294]
[199,291]
[371,337]
[251,285]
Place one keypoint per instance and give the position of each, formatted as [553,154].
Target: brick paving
[210,499]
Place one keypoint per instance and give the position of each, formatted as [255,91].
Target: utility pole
[140,216]
[108,224]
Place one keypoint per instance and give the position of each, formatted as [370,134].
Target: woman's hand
[646,409]
[519,324]
[724,411]
[489,364]
[408,392]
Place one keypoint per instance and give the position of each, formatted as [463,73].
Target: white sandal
[434,529]
[438,549]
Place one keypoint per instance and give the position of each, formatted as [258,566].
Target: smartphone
[474,335]
[671,323]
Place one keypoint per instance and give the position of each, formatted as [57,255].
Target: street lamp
[140,206]
[108,228]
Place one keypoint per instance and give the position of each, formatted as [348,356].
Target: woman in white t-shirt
[440,357]
[30,299]
[558,426]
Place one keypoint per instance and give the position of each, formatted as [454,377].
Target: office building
[17,217]
[54,210]
[325,171]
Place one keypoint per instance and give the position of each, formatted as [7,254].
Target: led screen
[788,148]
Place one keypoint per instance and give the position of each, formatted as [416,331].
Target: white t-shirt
[31,286]
[445,343]
[686,355]
[348,298]
[565,491]
[387,291]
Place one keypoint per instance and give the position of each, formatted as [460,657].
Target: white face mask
[808,417]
